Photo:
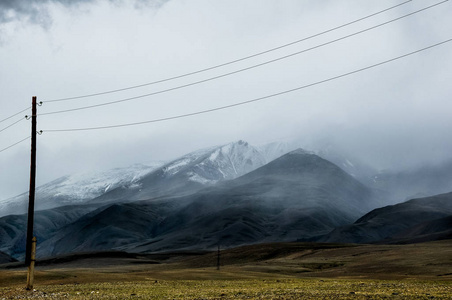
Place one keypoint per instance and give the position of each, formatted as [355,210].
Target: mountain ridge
[394,223]
[233,194]
[233,213]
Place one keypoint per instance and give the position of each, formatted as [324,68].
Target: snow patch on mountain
[196,178]
[78,188]
[86,185]
[176,166]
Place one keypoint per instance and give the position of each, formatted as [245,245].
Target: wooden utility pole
[31,267]
[31,200]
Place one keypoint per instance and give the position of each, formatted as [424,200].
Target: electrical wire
[240,70]
[16,114]
[252,100]
[230,62]
[12,124]
[15,144]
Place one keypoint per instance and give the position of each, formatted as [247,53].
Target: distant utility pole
[31,243]
[218,258]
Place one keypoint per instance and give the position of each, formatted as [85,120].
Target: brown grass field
[267,271]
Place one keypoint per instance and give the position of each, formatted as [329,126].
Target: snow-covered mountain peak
[180,164]
[215,164]
[241,156]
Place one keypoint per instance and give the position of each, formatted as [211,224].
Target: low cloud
[37,11]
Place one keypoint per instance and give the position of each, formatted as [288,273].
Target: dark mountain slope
[108,227]
[5,258]
[13,228]
[438,229]
[304,171]
[423,216]
[296,196]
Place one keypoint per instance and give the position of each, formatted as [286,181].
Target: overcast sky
[391,116]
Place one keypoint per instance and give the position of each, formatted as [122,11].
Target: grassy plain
[269,271]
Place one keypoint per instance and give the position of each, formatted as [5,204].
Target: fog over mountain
[183,175]
[298,195]
[415,182]
[233,194]
[209,166]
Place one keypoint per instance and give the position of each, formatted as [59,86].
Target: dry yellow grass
[272,271]
[274,288]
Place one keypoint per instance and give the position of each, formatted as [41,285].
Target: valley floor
[268,271]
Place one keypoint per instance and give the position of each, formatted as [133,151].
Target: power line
[15,144]
[15,114]
[240,70]
[230,62]
[252,100]
[12,124]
